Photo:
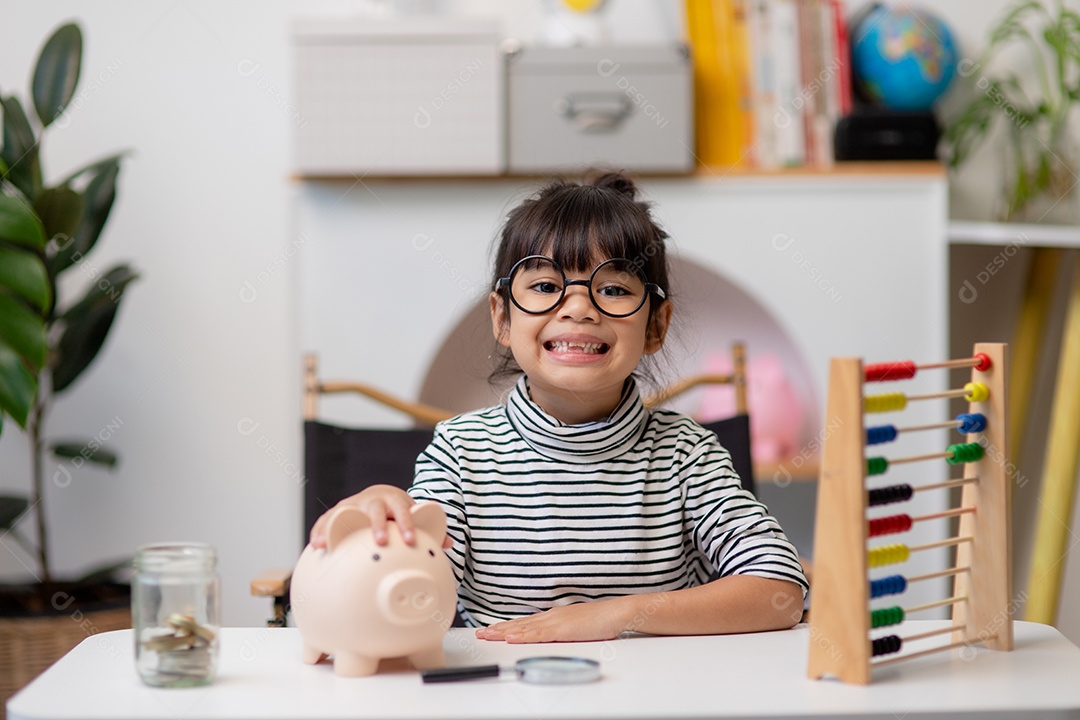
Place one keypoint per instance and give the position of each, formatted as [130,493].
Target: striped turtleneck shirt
[543,514]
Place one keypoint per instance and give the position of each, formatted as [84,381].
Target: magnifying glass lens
[557,670]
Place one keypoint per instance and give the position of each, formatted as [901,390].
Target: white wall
[201,371]
[205,339]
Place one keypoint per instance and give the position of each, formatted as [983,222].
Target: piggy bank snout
[407,597]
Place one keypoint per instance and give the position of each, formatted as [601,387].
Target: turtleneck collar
[585,443]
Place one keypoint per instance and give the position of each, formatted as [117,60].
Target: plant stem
[38,495]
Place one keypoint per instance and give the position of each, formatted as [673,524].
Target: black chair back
[339,462]
[734,435]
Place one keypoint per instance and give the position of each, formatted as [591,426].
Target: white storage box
[629,107]
[399,96]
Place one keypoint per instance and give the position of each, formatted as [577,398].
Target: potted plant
[47,230]
[1041,151]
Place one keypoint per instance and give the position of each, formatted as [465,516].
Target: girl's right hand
[380,503]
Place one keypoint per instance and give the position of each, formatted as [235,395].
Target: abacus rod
[961,362]
[943,514]
[935,426]
[937,603]
[941,543]
[911,656]
[949,454]
[920,458]
[945,484]
[944,394]
[932,633]
[939,574]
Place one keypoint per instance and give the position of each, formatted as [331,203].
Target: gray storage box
[629,107]
[400,96]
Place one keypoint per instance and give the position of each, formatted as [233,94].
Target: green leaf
[20,150]
[97,202]
[89,450]
[60,210]
[12,508]
[95,167]
[1012,25]
[86,324]
[57,72]
[23,273]
[967,132]
[17,385]
[22,330]
[19,224]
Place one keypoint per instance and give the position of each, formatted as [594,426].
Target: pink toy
[776,412]
[360,602]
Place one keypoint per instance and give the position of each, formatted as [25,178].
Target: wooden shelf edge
[904,168]
[884,169]
[785,473]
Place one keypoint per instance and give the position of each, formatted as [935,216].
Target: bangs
[582,229]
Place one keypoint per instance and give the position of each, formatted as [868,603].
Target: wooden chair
[339,462]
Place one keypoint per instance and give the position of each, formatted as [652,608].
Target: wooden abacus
[841,620]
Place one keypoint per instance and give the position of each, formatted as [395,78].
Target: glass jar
[175,611]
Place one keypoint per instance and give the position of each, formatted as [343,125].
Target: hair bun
[617,181]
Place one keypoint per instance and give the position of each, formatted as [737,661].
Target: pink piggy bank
[360,602]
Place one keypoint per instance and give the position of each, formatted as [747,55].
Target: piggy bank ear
[344,522]
[430,518]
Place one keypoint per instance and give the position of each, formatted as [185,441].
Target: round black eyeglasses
[537,284]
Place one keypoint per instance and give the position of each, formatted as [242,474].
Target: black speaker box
[871,133]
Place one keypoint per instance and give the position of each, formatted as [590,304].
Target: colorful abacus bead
[976,392]
[971,422]
[887,616]
[876,466]
[886,402]
[889,525]
[891,585]
[965,453]
[888,555]
[890,494]
[881,434]
[886,645]
[899,370]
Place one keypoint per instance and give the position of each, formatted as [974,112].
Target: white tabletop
[750,676]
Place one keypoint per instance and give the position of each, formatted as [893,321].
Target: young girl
[574,513]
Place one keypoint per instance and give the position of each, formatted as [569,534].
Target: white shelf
[995,233]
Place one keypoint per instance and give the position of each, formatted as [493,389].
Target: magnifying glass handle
[454,674]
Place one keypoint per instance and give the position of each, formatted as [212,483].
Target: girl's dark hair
[579,225]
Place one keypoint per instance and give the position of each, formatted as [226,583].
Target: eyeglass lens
[616,288]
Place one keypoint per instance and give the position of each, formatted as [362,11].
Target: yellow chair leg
[1059,474]
[1027,341]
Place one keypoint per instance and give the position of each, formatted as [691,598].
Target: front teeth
[561,346]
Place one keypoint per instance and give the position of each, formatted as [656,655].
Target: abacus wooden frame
[840,613]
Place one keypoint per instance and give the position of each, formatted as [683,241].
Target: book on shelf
[772,78]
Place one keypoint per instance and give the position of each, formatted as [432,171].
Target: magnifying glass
[547,670]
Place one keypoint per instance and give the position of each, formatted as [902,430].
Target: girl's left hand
[581,622]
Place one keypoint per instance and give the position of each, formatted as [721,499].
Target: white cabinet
[842,263]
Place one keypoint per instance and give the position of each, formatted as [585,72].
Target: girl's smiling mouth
[576,347]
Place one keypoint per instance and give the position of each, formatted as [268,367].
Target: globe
[902,58]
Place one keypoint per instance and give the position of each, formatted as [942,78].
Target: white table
[743,676]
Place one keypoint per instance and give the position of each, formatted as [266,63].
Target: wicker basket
[28,645]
